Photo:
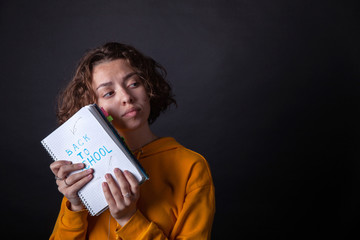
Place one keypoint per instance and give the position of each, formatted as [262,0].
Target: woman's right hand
[70,185]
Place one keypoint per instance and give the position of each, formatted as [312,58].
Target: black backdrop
[267,92]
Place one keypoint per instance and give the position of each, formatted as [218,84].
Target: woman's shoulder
[187,158]
[184,164]
[172,146]
[170,151]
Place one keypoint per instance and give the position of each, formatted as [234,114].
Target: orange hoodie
[178,202]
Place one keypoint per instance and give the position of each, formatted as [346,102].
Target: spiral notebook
[88,137]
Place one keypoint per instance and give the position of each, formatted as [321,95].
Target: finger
[73,188]
[55,166]
[108,195]
[77,176]
[133,182]
[114,188]
[124,184]
[65,170]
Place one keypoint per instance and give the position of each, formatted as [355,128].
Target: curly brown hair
[79,92]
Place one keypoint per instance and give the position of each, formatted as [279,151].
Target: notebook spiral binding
[91,211]
[49,150]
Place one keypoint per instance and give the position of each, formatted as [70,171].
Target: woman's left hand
[122,195]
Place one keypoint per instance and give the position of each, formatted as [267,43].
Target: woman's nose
[125,96]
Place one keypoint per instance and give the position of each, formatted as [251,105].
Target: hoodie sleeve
[69,224]
[195,218]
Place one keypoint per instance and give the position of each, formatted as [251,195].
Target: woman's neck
[138,138]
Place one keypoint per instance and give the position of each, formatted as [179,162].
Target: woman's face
[122,94]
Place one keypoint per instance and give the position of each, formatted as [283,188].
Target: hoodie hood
[158,146]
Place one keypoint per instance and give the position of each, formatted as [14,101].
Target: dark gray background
[267,92]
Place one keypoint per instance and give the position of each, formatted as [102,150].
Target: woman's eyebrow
[107,84]
[129,75]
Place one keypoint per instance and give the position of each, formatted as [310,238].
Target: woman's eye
[108,94]
[134,85]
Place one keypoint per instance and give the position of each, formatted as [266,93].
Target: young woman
[178,201]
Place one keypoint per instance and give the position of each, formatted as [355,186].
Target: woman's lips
[131,112]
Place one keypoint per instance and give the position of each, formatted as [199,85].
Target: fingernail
[107,176]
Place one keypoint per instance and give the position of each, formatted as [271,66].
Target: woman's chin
[129,126]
